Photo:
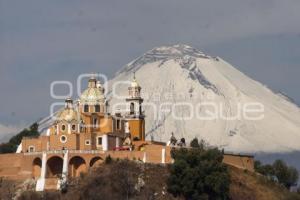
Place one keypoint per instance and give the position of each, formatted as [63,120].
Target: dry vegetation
[117,180]
[7,188]
[131,180]
[250,186]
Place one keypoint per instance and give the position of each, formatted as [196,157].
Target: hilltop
[101,184]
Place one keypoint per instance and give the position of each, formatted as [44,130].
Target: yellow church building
[88,125]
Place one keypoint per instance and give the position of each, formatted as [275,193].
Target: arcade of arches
[54,166]
[77,165]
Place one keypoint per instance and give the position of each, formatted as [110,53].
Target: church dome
[94,94]
[135,84]
[68,114]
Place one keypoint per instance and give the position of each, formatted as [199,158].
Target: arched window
[132,108]
[95,122]
[81,127]
[63,127]
[140,109]
[73,127]
[86,108]
[97,108]
[118,124]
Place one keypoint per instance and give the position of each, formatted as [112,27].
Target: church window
[63,127]
[118,124]
[87,142]
[97,108]
[73,127]
[132,108]
[31,149]
[95,122]
[63,139]
[99,141]
[86,108]
[81,128]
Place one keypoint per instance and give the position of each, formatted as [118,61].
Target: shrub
[195,143]
[199,174]
[108,159]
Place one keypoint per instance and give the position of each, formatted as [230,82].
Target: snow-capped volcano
[181,86]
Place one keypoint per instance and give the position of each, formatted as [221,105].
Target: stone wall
[239,161]
[20,166]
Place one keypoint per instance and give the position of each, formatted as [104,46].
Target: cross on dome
[134,83]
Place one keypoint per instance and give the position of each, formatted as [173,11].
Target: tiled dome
[68,114]
[94,94]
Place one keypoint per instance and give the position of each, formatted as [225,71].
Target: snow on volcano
[181,86]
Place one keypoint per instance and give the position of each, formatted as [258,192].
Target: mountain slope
[180,81]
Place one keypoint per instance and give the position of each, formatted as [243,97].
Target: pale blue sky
[43,41]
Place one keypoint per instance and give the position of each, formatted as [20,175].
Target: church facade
[88,124]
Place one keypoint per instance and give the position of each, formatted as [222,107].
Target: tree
[12,145]
[198,174]
[195,143]
[286,175]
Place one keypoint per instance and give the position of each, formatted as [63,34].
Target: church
[87,124]
[83,133]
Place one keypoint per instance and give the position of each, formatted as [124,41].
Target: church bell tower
[135,116]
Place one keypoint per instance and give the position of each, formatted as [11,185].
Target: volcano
[191,94]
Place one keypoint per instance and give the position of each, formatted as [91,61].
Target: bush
[199,174]
[195,143]
[286,175]
[108,159]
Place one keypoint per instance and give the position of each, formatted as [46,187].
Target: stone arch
[96,161]
[36,167]
[77,165]
[54,167]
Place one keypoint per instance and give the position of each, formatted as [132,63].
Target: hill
[147,181]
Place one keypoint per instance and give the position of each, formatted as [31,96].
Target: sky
[45,41]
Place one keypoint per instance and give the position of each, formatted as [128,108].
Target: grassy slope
[249,186]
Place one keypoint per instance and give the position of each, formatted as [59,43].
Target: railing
[87,151]
[65,151]
[31,137]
